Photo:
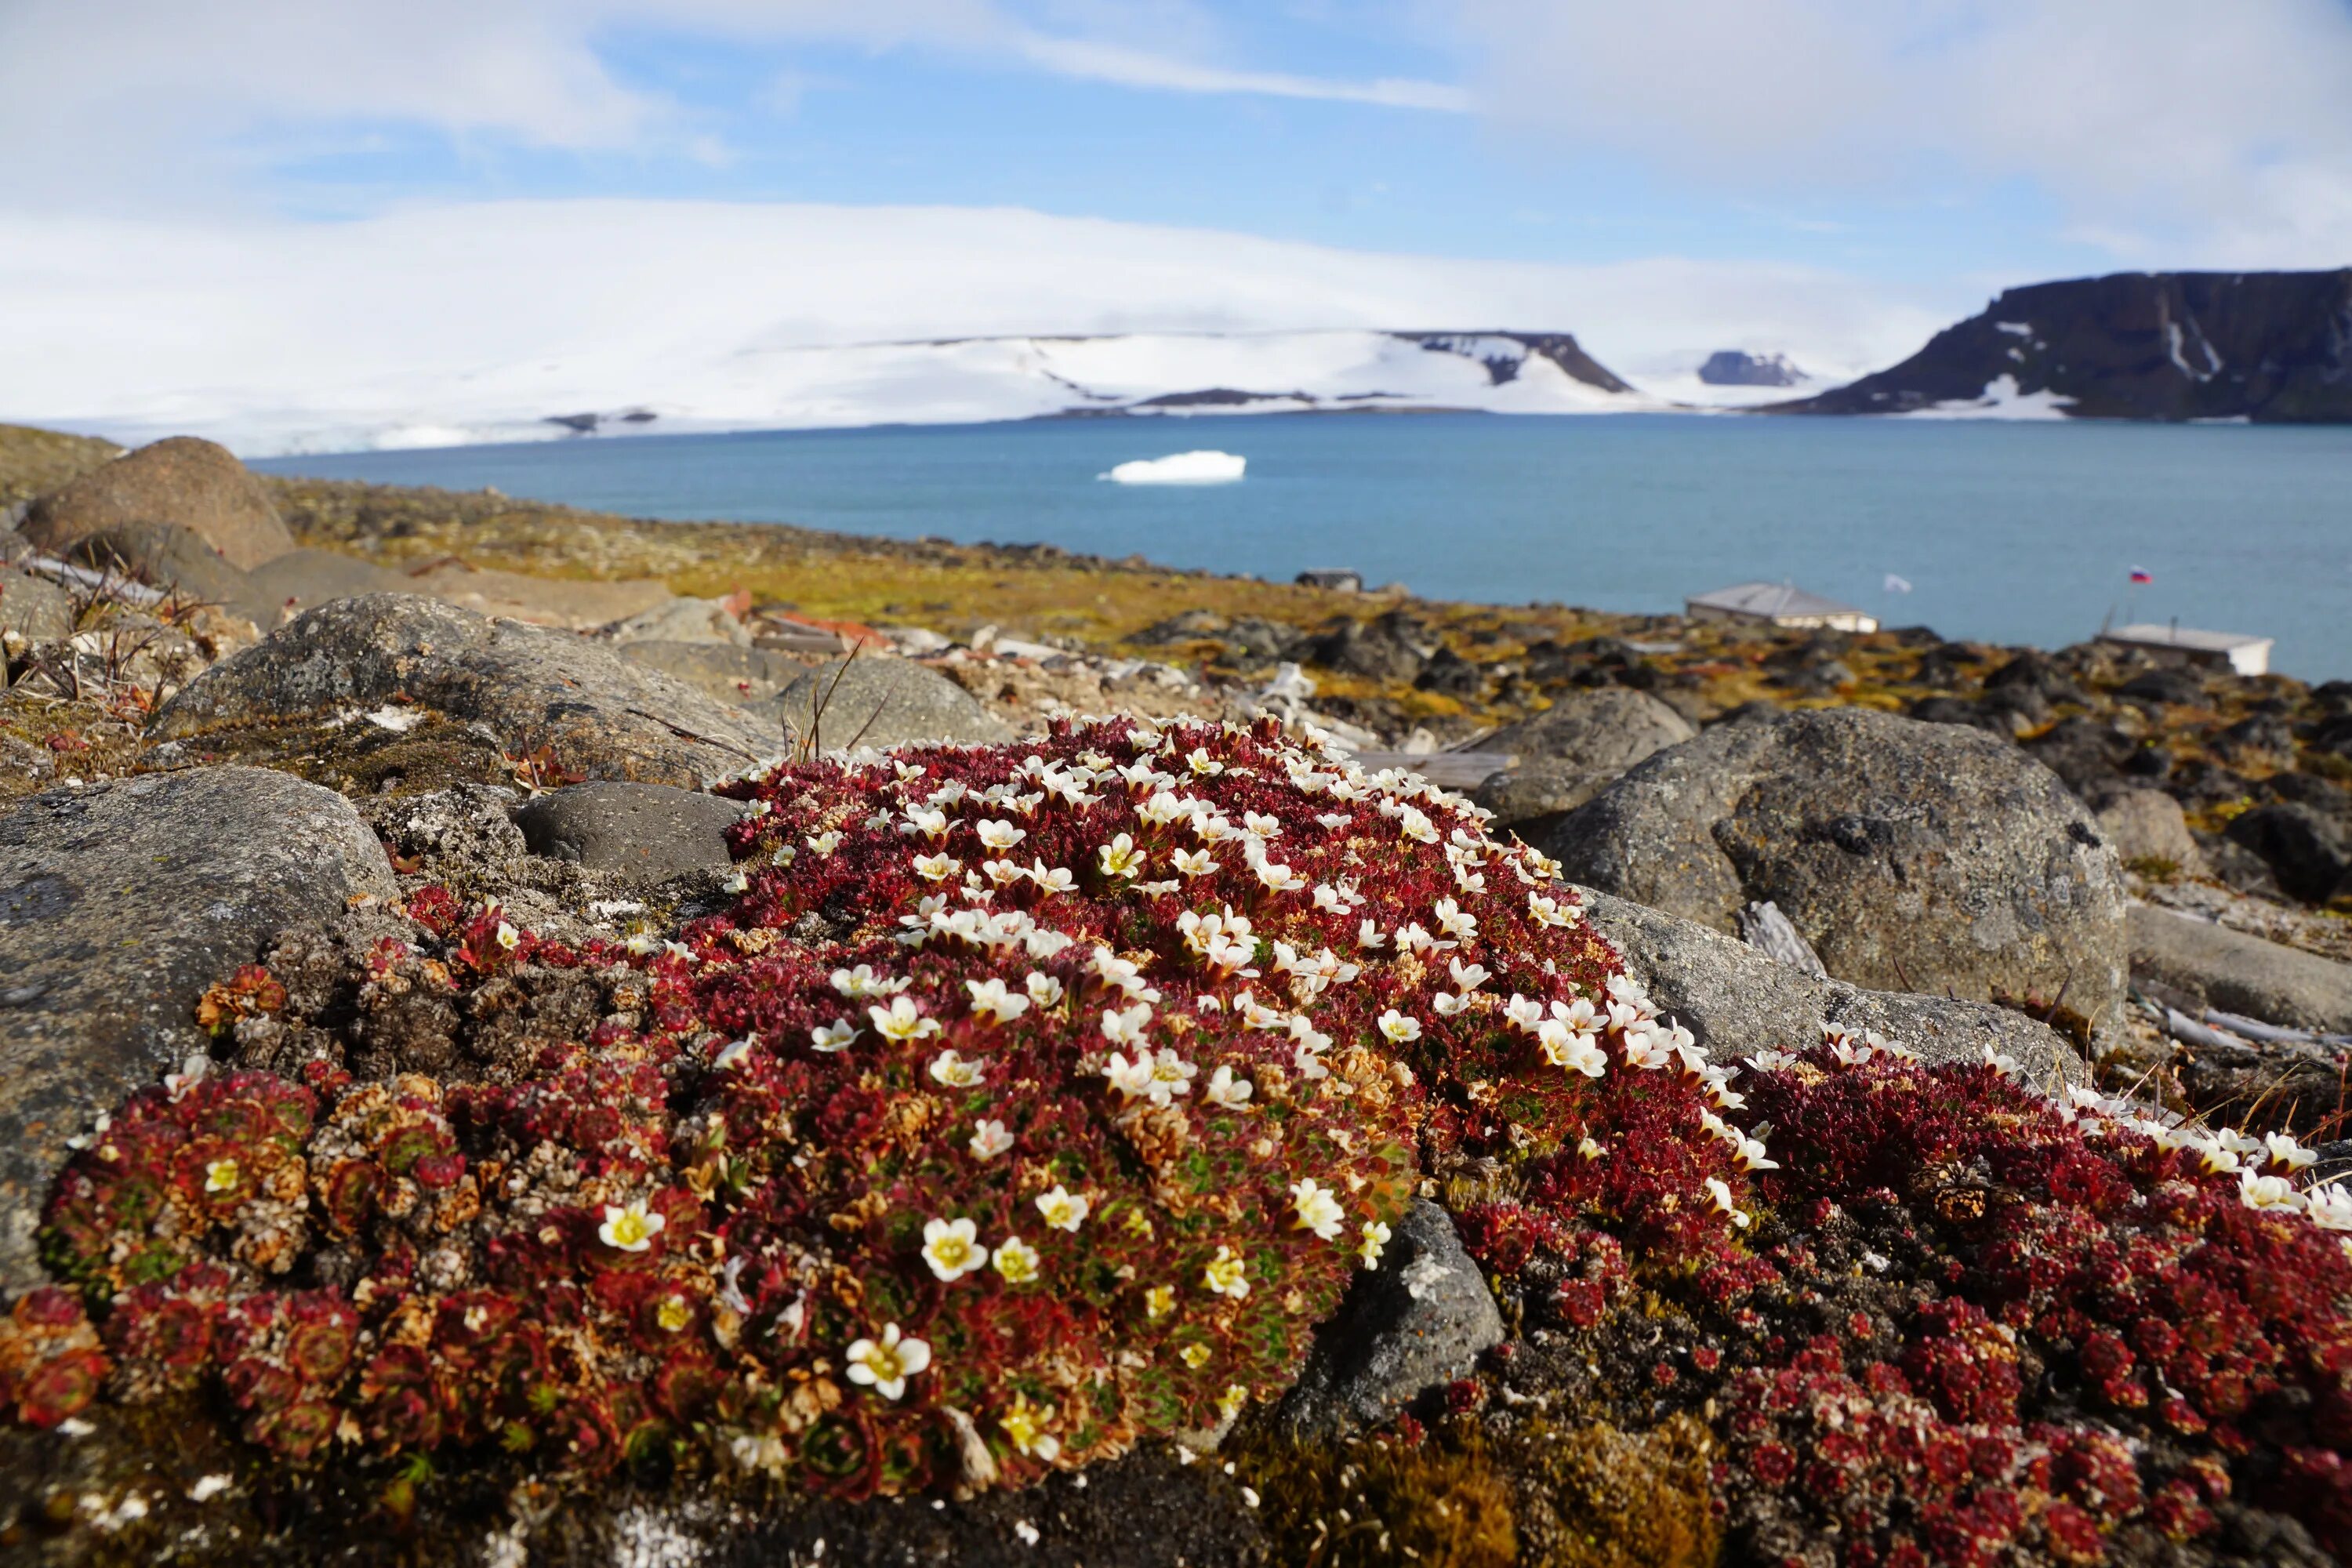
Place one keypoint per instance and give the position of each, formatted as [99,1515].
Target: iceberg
[1179,468]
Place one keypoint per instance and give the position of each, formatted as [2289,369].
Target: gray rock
[743,675]
[1763,927]
[469,826]
[526,687]
[166,555]
[1738,1001]
[1529,797]
[2308,850]
[1420,1320]
[683,620]
[645,833]
[303,579]
[2240,973]
[32,610]
[2147,825]
[883,703]
[119,904]
[194,483]
[1910,856]
[1607,729]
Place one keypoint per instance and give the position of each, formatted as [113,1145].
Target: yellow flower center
[220,1176]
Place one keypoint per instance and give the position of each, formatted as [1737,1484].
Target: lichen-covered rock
[1917,857]
[172,557]
[1608,729]
[745,677]
[306,578]
[119,904]
[2202,962]
[33,610]
[2147,827]
[184,480]
[1419,1321]
[883,703]
[1739,1000]
[641,833]
[573,705]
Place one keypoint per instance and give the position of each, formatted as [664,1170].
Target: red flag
[2142,574]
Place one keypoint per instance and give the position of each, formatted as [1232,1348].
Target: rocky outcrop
[745,677]
[175,559]
[1737,999]
[2273,347]
[527,690]
[883,703]
[1733,368]
[1572,750]
[1911,856]
[120,903]
[183,480]
[1416,1323]
[2197,964]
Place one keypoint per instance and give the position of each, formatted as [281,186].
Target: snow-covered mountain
[961,380]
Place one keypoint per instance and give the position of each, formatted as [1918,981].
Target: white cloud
[515,309]
[2224,134]
[150,100]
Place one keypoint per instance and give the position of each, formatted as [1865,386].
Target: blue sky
[1830,177]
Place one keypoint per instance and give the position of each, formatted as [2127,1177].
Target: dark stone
[2083,751]
[2260,738]
[2037,673]
[1254,637]
[175,559]
[1418,1321]
[2307,850]
[304,579]
[1387,648]
[644,833]
[1913,857]
[2163,687]
[1957,710]
[1449,673]
[2240,973]
[119,904]
[33,610]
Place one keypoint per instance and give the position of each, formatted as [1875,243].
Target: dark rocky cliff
[2275,347]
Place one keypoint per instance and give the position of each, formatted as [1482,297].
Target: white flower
[1315,1209]
[1225,1089]
[1398,1029]
[1163,808]
[1200,763]
[1224,1275]
[862,982]
[1368,935]
[2286,1154]
[1548,912]
[1375,1241]
[989,1139]
[823,845]
[994,999]
[937,867]
[631,1228]
[1263,825]
[1062,1209]
[1279,877]
[2260,1192]
[737,882]
[1468,977]
[952,1249]
[644,944]
[956,1071]
[1586,1149]
[1334,820]
[1564,1048]
[885,1365]
[2331,1207]
[1454,921]
[1121,857]
[1720,1191]
[833,1036]
[1051,880]
[1778,1061]
[1125,1026]
[1751,1155]
[1449,1005]
[1003,873]
[999,835]
[1412,938]
[1016,1261]
[220,1176]
[900,1023]
[930,824]
[1523,1013]
[730,1053]
[507,937]
[1195,863]
[1043,989]
[1170,1075]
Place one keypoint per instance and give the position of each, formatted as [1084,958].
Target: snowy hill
[955,381]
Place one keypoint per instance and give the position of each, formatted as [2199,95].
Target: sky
[331,191]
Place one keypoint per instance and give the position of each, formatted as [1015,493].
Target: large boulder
[2147,827]
[306,578]
[684,621]
[1737,999]
[743,676]
[883,703]
[1573,749]
[33,610]
[119,904]
[176,558]
[529,691]
[2200,962]
[2309,850]
[1922,858]
[183,480]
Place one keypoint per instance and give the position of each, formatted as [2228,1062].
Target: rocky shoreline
[283,808]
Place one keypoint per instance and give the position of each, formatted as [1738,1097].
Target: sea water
[2012,532]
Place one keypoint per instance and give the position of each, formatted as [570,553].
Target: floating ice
[1179,468]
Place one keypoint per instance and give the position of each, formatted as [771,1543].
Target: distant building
[1778,604]
[2185,645]
[1341,578]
